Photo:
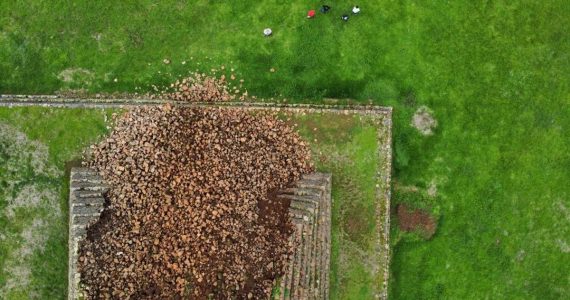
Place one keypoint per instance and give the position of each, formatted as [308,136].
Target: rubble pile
[192,210]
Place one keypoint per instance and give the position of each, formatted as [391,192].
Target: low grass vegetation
[346,147]
[36,145]
[495,74]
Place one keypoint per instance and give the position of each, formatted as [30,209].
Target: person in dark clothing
[325,9]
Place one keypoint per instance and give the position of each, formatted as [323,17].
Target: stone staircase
[86,202]
[307,272]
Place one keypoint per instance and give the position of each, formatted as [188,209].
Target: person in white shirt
[356,10]
[267,32]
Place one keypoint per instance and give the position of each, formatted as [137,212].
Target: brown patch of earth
[416,221]
[327,128]
[356,224]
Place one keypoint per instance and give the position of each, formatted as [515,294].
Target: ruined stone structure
[381,115]
[307,274]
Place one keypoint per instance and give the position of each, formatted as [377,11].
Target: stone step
[88,194]
[310,235]
[299,198]
[311,208]
[288,278]
[291,283]
[316,176]
[92,177]
[283,283]
[309,192]
[315,192]
[306,184]
[84,220]
[86,171]
[80,231]
[89,201]
[298,217]
[307,237]
[303,268]
[298,289]
[317,249]
[87,210]
[88,186]
[316,254]
[310,212]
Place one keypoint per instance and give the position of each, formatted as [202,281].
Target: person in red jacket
[311,13]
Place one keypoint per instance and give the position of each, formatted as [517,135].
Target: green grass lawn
[36,146]
[494,72]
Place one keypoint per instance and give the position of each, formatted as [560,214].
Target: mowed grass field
[495,73]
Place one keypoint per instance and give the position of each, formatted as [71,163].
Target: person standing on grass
[356,10]
[325,9]
[344,17]
[311,14]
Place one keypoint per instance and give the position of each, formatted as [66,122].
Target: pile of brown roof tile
[192,209]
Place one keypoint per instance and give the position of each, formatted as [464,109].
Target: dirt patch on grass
[30,197]
[424,121]
[20,156]
[76,75]
[564,247]
[328,128]
[432,189]
[356,223]
[416,220]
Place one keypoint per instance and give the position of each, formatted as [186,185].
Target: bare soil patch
[424,121]
[416,220]
[76,75]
